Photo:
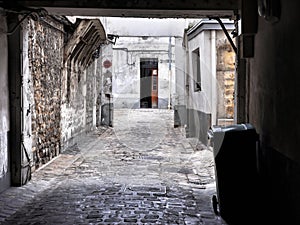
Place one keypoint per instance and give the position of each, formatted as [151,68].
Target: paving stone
[142,171]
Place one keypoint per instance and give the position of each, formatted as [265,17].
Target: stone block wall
[225,79]
[45,63]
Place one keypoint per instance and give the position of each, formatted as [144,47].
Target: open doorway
[148,83]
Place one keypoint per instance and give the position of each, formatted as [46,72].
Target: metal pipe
[226,33]
[137,50]
[170,71]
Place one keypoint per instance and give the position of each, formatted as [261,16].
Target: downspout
[214,81]
[187,82]
[170,71]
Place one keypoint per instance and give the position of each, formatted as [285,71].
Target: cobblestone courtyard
[141,171]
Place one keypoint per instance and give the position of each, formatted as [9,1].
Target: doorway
[149,83]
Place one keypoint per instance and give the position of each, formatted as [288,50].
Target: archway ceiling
[138,8]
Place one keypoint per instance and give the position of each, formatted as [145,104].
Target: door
[154,91]
[148,84]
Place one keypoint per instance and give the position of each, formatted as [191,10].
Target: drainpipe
[226,33]
[170,71]
[187,83]
[214,81]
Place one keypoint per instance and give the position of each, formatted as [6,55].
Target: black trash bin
[236,173]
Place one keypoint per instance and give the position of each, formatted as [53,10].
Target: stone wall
[73,117]
[45,59]
[225,79]
[80,80]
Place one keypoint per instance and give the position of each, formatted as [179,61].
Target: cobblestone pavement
[143,171]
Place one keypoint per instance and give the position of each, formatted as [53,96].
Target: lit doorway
[149,83]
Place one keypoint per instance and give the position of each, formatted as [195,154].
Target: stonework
[59,94]
[45,61]
[225,77]
[81,80]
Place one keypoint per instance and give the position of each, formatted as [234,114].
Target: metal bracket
[226,33]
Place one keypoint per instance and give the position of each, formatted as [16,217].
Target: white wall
[126,68]
[180,72]
[126,78]
[201,101]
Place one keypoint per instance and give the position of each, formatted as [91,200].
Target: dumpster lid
[232,128]
[217,133]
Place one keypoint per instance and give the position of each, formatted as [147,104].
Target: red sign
[107,64]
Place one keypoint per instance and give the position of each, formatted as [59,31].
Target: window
[196,69]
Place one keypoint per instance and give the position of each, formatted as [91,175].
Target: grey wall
[275,82]
[275,107]
[4,108]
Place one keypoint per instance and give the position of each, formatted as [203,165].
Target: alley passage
[143,171]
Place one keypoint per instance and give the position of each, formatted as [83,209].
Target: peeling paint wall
[4,107]
[45,57]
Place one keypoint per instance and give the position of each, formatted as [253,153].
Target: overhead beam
[137,8]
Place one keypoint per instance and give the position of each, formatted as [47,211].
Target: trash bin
[236,172]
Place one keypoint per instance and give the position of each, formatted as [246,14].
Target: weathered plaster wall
[92,85]
[107,98]
[126,69]
[81,110]
[275,108]
[45,57]
[81,81]
[4,107]
[73,110]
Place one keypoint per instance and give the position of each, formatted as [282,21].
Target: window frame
[196,68]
